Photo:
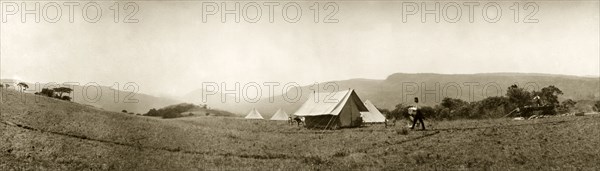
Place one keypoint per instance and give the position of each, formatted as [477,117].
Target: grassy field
[57,135]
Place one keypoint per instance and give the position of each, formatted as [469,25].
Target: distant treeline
[56,93]
[185,109]
[492,107]
[174,111]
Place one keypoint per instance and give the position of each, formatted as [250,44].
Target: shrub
[66,98]
[47,92]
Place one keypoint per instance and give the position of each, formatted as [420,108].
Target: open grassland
[58,135]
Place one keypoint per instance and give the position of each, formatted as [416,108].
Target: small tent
[280,115]
[373,115]
[254,114]
[332,110]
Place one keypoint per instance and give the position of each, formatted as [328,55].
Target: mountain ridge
[384,93]
[394,89]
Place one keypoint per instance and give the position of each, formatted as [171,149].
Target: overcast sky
[172,51]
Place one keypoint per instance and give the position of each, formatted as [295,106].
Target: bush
[400,112]
[66,98]
[153,112]
[47,92]
[428,112]
[53,93]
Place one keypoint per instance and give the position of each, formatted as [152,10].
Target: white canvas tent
[327,110]
[254,114]
[280,115]
[373,115]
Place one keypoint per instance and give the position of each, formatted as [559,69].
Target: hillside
[52,134]
[108,98]
[402,88]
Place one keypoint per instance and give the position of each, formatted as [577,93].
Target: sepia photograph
[299,85]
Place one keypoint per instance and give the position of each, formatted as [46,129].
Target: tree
[47,92]
[428,112]
[467,111]
[61,90]
[152,112]
[22,86]
[518,96]
[568,103]
[549,95]
[399,112]
[124,111]
[494,102]
[492,107]
[442,112]
[452,104]
[566,106]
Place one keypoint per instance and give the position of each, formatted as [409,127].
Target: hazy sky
[172,51]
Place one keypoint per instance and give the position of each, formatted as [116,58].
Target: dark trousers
[420,118]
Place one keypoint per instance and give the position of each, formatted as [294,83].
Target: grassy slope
[106,99]
[62,135]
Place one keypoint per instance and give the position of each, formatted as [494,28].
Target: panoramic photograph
[299,85]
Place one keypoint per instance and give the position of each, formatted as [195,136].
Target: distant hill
[137,103]
[430,88]
[109,99]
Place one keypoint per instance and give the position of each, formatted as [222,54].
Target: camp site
[339,131]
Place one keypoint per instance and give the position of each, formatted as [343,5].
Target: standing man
[537,100]
[418,115]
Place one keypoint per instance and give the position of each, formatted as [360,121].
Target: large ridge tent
[373,115]
[254,114]
[280,115]
[332,110]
